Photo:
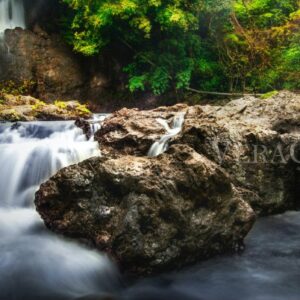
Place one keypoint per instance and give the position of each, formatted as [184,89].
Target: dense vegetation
[223,45]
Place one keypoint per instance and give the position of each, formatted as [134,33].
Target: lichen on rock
[26,108]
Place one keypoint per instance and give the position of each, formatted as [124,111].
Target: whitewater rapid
[35,264]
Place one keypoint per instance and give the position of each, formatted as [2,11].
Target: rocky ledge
[197,199]
[257,141]
[26,108]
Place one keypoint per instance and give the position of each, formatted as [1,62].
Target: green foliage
[38,105]
[290,64]
[224,45]
[265,13]
[137,83]
[96,23]
[258,46]
[80,109]
[163,36]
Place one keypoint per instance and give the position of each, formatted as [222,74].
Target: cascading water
[12,15]
[162,145]
[34,264]
[95,123]
[37,265]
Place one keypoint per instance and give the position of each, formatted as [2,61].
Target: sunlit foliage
[230,45]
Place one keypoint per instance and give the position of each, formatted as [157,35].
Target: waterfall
[34,263]
[96,122]
[162,145]
[12,15]
[39,149]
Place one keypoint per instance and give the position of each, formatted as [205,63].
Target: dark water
[269,269]
[36,264]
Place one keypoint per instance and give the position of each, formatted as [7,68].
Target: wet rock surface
[152,214]
[194,201]
[256,141]
[131,131]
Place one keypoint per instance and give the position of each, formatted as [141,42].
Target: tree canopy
[224,45]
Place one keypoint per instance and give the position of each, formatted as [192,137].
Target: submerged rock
[151,214]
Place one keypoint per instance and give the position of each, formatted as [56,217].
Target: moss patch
[269,95]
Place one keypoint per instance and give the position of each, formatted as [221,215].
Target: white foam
[161,146]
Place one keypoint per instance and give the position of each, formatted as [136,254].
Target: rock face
[55,72]
[254,140]
[44,60]
[131,131]
[193,201]
[150,214]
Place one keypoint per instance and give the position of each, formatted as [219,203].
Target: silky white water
[96,121]
[12,15]
[34,264]
[40,150]
[38,265]
[162,145]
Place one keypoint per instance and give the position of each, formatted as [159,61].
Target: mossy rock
[269,95]
[26,108]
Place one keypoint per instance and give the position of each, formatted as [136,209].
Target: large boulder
[191,202]
[255,140]
[150,214]
[132,131]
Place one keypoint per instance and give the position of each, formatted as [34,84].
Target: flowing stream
[36,264]
[161,146]
[269,269]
